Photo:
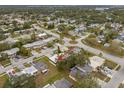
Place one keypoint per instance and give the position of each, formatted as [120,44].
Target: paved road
[116,79]
[21,62]
[119,76]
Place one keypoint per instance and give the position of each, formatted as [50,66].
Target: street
[113,83]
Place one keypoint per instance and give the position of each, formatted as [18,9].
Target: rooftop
[96,61]
[63,83]
[40,66]
[38,43]
[30,70]
[11,51]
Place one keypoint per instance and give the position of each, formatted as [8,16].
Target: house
[106,45]
[79,72]
[63,49]
[121,37]
[80,29]
[63,83]
[54,58]
[73,33]
[49,86]
[39,43]
[30,70]
[41,66]
[72,21]
[101,9]
[9,40]
[76,50]
[96,62]
[42,35]
[11,52]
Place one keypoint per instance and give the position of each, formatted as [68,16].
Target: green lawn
[99,75]
[52,75]
[16,69]
[27,64]
[5,63]
[3,80]
[110,64]
[73,42]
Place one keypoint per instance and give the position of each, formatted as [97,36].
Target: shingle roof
[11,51]
[80,71]
[63,83]
[40,65]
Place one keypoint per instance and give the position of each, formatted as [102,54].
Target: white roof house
[39,43]
[49,86]
[54,58]
[42,34]
[96,61]
[30,70]
[11,51]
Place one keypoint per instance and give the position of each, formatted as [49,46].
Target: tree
[26,25]
[61,36]
[61,28]
[14,23]
[88,82]
[59,51]
[33,36]
[50,26]
[23,81]
[4,46]
[72,60]
[18,44]
[49,44]
[73,38]
[4,56]
[24,52]
[2,37]
[45,24]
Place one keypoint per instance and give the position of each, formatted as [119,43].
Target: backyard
[52,75]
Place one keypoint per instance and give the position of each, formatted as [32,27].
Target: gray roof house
[41,66]
[39,43]
[63,83]
[11,51]
[79,72]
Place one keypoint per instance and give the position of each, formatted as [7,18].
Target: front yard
[5,63]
